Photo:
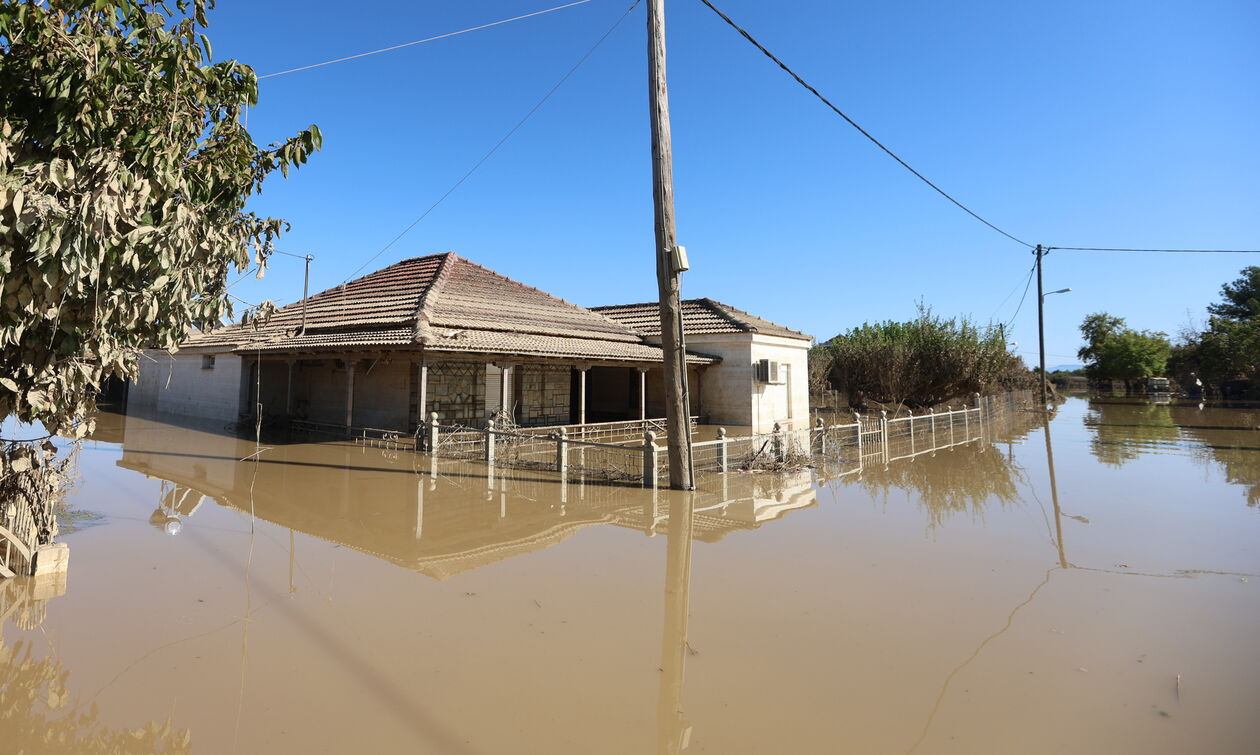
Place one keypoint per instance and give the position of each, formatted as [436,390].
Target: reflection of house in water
[440,520]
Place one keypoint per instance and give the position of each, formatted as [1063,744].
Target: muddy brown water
[332,598]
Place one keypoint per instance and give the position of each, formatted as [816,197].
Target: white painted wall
[729,393]
[179,384]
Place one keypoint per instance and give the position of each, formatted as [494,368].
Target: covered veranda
[396,390]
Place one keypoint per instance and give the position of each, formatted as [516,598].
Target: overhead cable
[1006,299]
[1010,322]
[502,141]
[426,39]
[1171,251]
[854,124]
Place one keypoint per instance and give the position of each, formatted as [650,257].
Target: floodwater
[1087,588]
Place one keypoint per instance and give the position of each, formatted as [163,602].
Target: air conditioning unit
[767,371]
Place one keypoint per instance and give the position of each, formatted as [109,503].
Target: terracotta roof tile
[700,316]
[421,301]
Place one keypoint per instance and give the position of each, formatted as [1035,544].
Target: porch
[397,392]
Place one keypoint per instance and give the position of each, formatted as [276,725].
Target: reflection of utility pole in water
[673,732]
[1054,495]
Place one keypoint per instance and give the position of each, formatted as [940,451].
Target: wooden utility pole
[677,411]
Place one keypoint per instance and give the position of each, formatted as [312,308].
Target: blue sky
[1071,124]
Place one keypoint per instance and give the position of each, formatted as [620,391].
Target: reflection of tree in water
[1123,431]
[35,691]
[961,479]
[1234,450]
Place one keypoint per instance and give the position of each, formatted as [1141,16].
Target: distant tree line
[1223,356]
[1226,353]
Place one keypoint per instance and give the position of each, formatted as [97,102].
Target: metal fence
[631,451]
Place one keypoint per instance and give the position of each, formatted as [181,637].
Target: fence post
[649,459]
[721,449]
[822,436]
[883,428]
[932,414]
[490,442]
[979,409]
[966,422]
[911,413]
[562,457]
[950,411]
[858,419]
[433,433]
[776,442]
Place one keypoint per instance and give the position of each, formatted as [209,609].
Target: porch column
[422,394]
[504,388]
[288,394]
[582,369]
[642,393]
[349,393]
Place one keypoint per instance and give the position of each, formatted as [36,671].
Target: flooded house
[441,334]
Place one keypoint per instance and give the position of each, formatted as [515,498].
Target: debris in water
[537,603]
[1178,687]
[1082,668]
[693,651]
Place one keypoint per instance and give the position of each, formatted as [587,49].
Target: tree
[1097,328]
[1115,352]
[124,176]
[124,173]
[1241,298]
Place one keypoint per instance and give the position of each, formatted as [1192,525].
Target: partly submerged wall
[194,385]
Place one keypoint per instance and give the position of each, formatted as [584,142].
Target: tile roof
[444,303]
[700,316]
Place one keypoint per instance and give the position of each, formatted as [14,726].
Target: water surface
[333,598]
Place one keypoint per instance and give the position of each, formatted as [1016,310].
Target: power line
[1007,327]
[998,308]
[427,39]
[854,124]
[1171,251]
[502,141]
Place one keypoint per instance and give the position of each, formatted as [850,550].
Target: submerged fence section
[632,451]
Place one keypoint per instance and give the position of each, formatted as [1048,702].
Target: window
[207,361]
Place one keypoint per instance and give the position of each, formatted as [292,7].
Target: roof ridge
[724,310]
[625,330]
[424,305]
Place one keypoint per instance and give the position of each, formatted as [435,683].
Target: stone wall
[544,394]
[457,392]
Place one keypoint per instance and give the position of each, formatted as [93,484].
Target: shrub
[921,363]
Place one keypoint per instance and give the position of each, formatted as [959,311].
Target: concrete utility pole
[1041,330]
[677,411]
